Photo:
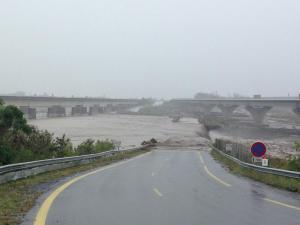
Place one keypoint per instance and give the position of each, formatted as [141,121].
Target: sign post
[258,150]
[265,162]
[256,160]
[228,148]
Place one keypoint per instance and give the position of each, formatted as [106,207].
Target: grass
[289,184]
[286,164]
[18,197]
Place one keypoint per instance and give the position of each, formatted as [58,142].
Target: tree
[11,119]
[13,133]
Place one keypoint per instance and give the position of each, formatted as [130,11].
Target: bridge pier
[203,111]
[297,111]
[109,108]
[227,110]
[56,111]
[258,112]
[29,113]
[79,110]
[95,109]
[206,108]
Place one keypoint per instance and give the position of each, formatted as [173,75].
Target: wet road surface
[171,187]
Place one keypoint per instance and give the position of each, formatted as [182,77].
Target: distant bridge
[65,106]
[256,107]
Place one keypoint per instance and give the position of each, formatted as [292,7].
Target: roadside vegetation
[292,163]
[18,197]
[242,152]
[273,180]
[21,142]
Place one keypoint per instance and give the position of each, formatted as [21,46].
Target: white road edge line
[201,158]
[216,178]
[282,204]
[157,192]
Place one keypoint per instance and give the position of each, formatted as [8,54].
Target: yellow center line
[282,204]
[216,178]
[42,214]
[157,192]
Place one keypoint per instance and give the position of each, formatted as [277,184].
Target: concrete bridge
[257,108]
[62,106]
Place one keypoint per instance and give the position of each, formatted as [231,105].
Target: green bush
[6,155]
[24,155]
[294,164]
[297,146]
[101,146]
[86,147]
[63,147]
[91,147]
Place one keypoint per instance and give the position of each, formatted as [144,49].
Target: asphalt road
[168,187]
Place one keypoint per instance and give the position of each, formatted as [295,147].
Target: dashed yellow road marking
[201,158]
[157,192]
[282,204]
[216,178]
[42,214]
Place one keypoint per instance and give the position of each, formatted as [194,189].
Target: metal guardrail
[21,170]
[269,170]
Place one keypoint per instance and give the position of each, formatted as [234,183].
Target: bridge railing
[26,169]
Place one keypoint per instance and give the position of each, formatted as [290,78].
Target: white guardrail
[22,170]
[269,170]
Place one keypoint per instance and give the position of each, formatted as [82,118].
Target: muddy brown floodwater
[130,130]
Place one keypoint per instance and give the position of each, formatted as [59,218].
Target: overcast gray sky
[153,48]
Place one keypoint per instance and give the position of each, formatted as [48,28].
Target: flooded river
[131,130]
